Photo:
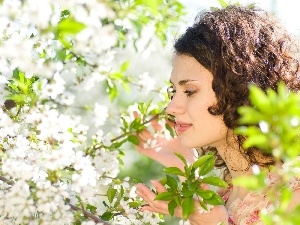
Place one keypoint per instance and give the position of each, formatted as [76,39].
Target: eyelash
[189,93]
[171,92]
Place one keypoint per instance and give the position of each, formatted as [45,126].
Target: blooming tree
[55,168]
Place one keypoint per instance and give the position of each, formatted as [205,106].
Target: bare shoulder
[295,200]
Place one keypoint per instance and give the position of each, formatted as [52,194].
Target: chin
[187,143]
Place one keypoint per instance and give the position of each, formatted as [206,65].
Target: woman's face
[192,95]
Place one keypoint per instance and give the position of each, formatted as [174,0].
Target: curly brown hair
[242,45]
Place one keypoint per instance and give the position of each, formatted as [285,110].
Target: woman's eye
[189,92]
[171,92]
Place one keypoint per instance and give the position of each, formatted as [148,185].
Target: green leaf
[116,76]
[133,205]
[122,191]
[203,205]
[124,67]
[119,198]
[192,185]
[187,193]
[207,166]
[155,112]
[172,183]
[286,196]
[258,140]
[111,192]
[188,207]
[19,99]
[174,170]
[152,5]
[163,181]
[178,199]
[136,125]
[223,3]
[249,182]
[133,139]
[181,158]
[249,115]
[137,25]
[91,208]
[205,194]
[107,216]
[13,86]
[201,161]
[125,123]
[116,145]
[166,196]
[170,129]
[126,87]
[111,89]
[61,55]
[216,181]
[22,86]
[69,26]
[171,207]
[215,200]
[65,42]
[259,98]
[16,73]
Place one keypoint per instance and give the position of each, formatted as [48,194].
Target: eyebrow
[182,82]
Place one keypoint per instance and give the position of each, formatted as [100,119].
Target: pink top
[246,211]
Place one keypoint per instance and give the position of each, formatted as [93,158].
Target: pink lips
[181,127]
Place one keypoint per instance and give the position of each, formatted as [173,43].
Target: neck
[244,168]
[236,162]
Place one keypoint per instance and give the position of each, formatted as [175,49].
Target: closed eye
[189,92]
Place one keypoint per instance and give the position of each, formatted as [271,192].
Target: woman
[215,61]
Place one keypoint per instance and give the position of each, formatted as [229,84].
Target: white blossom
[101,114]
[146,82]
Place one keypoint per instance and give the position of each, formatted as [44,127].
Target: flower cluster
[59,153]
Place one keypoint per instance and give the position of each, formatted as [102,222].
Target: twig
[147,121]
[6,180]
[88,214]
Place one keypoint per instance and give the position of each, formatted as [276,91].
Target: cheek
[200,107]
[207,122]
[220,126]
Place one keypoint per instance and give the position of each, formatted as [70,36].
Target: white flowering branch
[50,53]
[73,207]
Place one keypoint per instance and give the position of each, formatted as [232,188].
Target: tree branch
[6,180]
[89,215]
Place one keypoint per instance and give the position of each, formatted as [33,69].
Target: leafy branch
[272,124]
[184,194]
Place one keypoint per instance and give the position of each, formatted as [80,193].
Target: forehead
[188,68]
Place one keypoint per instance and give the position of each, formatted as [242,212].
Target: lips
[181,127]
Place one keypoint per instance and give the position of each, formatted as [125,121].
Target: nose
[176,106]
